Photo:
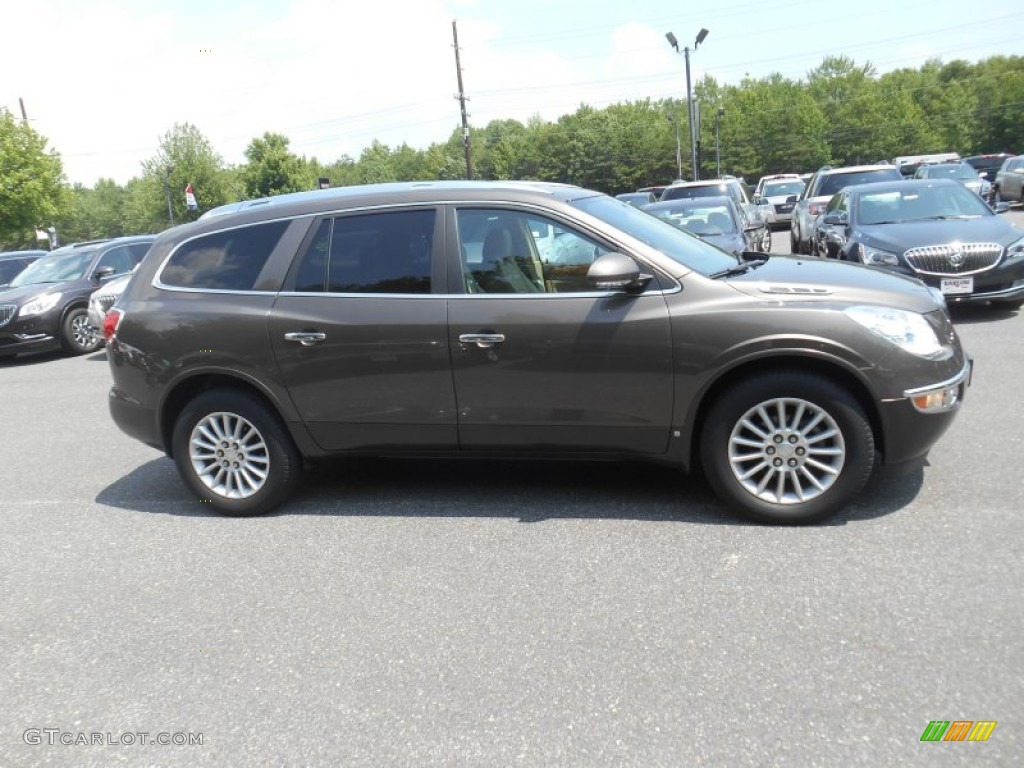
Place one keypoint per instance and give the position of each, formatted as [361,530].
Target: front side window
[223,261]
[119,259]
[382,252]
[514,252]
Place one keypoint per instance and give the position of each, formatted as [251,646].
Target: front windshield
[781,188]
[676,244]
[922,203]
[54,269]
[962,171]
[700,220]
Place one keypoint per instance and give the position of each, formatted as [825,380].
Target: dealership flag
[190,198]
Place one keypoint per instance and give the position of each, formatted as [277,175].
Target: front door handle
[305,338]
[482,340]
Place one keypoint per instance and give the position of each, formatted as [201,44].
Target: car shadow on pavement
[30,358]
[968,314]
[531,491]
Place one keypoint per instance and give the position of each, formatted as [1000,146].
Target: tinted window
[511,252]
[387,252]
[138,251]
[224,261]
[9,268]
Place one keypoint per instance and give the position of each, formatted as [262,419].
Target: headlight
[876,257]
[907,330]
[1015,250]
[39,304]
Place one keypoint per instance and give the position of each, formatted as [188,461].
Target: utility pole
[462,105]
[24,114]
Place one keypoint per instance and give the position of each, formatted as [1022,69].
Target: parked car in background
[710,188]
[962,172]
[931,229]
[772,197]
[637,199]
[102,299]
[13,262]
[45,307]
[421,319]
[717,220]
[908,164]
[988,165]
[1009,181]
[820,189]
[656,191]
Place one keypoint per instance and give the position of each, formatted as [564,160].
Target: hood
[26,292]
[784,278]
[914,234]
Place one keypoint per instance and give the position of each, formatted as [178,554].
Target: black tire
[794,244]
[997,198]
[77,337]
[803,396]
[271,450]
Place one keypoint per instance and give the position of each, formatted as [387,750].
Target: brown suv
[520,319]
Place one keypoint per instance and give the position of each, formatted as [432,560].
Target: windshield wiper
[739,269]
[947,216]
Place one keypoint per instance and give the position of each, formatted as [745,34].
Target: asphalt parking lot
[482,613]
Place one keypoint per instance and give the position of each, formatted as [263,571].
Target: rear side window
[386,252]
[223,261]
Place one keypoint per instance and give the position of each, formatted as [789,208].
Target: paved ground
[484,614]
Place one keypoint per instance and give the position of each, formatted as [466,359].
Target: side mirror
[791,199]
[1001,207]
[101,273]
[835,219]
[616,271]
[753,256]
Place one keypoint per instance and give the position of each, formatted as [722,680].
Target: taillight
[110,322]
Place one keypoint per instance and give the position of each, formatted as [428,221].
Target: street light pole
[679,153]
[718,146]
[689,94]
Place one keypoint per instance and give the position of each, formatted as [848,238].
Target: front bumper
[22,334]
[908,431]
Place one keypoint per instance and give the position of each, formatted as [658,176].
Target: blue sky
[103,81]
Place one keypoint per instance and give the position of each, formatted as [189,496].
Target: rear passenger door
[359,332]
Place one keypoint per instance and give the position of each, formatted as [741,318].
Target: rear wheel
[234,453]
[794,242]
[787,447]
[77,336]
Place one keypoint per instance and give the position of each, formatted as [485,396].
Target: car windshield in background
[658,234]
[836,181]
[920,204]
[959,171]
[781,188]
[54,269]
[701,220]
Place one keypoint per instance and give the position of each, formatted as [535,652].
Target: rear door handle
[305,338]
[482,340]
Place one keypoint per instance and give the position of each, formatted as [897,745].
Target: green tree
[185,156]
[32,192]
[272,169]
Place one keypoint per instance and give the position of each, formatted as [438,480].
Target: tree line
[840,113]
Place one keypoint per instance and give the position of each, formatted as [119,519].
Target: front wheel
[77,336]
[787,447]
[234,453]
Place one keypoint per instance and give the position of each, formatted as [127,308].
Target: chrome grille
[954,259]
[105,302]
[7,313]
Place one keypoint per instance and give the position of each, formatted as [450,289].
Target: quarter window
[224,261]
